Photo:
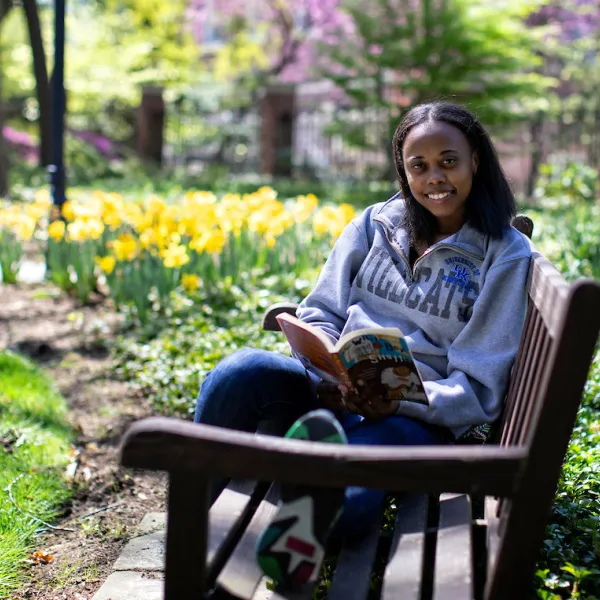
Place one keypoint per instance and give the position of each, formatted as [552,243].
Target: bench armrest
[174,445]
[269,322]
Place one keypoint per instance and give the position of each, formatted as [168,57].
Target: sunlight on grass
[35,438]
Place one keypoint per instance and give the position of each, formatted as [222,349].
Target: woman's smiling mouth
[439,197]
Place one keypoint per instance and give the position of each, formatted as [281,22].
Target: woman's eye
[449,161]
[417,166]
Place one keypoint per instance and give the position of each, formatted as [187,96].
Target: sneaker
[291,548]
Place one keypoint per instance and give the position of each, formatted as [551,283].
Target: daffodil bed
[145,249]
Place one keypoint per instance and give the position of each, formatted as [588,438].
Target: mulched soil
[72,343]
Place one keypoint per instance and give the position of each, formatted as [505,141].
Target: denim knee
[251,383]
[225,381]
[241,366]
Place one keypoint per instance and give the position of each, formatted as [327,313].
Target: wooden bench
[470,518]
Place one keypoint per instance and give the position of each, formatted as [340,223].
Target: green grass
[35,444]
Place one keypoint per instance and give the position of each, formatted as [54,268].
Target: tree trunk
[42,85]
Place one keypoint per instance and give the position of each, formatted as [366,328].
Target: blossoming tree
[272,38]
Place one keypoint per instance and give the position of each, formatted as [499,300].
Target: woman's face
[440,165]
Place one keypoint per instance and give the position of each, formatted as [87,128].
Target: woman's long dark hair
[491,203]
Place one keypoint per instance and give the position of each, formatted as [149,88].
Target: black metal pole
[57,168]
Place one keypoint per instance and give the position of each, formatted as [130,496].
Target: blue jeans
[256,386]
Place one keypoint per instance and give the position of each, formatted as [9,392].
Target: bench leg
[187,536]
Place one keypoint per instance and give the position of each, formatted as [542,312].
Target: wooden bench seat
[470,519]
[427,531]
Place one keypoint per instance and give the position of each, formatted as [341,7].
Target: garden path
[72,343]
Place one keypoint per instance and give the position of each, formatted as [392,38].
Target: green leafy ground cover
[35,449]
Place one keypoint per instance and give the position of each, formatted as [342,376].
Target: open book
[379,357]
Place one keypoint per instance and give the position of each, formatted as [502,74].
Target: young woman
[440,261]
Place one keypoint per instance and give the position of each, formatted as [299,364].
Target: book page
[384,362]
[312,347]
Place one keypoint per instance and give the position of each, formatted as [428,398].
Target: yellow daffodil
[216,241]
[77,231]
[35,211]
[333,219]
[42,196]
[148,238]
[106,263]
[56,230]
[132,214]
[125,247]
[68,210]
[175,256]
[24,228]
[347,212]
[210,241]
[270,240]
[304,207]
[95,229]
[156,205]
[190,282]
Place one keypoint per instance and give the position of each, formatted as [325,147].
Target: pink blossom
[18,138]
[296,29]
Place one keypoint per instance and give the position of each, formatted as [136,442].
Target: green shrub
[573,181]
[170,357]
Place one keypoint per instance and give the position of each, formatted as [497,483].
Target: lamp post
[57,167]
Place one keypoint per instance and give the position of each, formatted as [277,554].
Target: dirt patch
[73,344]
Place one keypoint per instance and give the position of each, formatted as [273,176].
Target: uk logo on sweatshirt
[463,271]
[446,289]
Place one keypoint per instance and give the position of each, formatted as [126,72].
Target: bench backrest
[548,293]
[545,391]
[551,368]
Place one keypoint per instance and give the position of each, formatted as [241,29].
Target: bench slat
[402,578]
[492,518]
[352,576]
[525,384]
[453,578]
[222,516]
[241,574]
[516,379]
[524,427]
[548,290]
[236,506]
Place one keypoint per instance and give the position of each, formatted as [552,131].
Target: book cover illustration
[385,363]
[379,357]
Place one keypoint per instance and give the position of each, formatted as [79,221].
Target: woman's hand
[367,402]
[329,396]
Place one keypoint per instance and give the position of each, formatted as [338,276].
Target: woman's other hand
[367,402]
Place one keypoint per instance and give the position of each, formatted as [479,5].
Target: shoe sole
[289,550]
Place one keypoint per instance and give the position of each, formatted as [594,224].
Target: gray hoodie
[461,308]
